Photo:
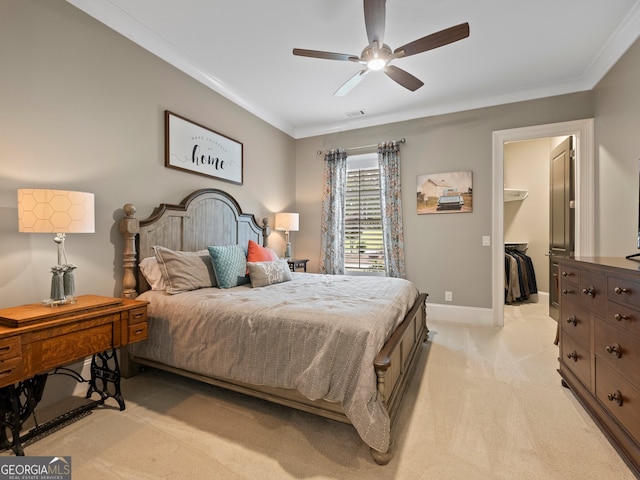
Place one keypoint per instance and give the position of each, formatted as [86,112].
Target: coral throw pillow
[257,253]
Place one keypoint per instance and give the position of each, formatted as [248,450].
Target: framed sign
[196,149]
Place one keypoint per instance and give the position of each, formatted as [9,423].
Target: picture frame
[449,192]
[194,148]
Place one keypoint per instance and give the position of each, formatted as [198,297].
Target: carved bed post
[129,227]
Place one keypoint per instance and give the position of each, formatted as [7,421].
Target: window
[363,242]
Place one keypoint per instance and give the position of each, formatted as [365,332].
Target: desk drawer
[138,315]
[62,349]
[11,371]
[137,332]
[10,348]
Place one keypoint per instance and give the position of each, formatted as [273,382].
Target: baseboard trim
[469,315]
[459,314]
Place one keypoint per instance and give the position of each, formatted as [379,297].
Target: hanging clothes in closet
[519,275]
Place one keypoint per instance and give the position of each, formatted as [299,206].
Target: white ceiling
[242,49]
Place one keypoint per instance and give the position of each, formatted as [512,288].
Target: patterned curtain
[392,231]
[332,226]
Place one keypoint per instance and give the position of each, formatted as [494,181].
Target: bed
[337,346]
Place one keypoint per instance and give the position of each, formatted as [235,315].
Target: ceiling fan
[378,56]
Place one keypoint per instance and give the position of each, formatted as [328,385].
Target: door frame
[583,131]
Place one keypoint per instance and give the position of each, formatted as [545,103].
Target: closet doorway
[582,132]
[538,218]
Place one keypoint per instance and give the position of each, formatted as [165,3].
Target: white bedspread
[318,334]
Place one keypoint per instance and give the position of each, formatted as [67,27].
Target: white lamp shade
[55,211]
[289,222]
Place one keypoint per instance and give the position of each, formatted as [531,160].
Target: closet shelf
[513,194]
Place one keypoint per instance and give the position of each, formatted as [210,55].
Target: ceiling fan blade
[325,55]
[435,40]
[374,20]
[351,83]
[403,78]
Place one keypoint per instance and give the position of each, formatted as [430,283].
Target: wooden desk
[35,339]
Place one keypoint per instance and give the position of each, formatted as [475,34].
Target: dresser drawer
[618,350]
[576,358]
[623,290]
[10,348]
[576,322]
[11,371]
[624,317]
[619,398]
[593,291]
[569,275]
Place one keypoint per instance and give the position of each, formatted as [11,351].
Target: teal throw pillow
[229,265]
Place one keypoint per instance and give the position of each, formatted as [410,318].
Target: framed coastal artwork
[197,149]
[449,192]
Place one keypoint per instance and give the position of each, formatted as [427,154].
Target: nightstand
[37,339]
[295,263]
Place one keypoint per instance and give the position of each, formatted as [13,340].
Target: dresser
[37,341]
[600,345]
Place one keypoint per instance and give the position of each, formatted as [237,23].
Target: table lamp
[289,222]
[59,212]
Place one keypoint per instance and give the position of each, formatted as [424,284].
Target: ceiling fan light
[376,64]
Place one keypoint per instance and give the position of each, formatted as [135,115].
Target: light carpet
[485,403]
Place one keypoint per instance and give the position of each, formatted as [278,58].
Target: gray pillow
[184,271]
[262,274]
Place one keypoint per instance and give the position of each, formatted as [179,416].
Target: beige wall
[443,252]
[617,132]
[82,108]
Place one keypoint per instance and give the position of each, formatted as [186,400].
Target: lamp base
[287,251]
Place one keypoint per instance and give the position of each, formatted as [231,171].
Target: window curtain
[333,203]
[389,163]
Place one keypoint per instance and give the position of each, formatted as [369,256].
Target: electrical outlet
[448,296]
[486,241]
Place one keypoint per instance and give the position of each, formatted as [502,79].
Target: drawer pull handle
[573,320]
[566,274]
[615,397]
[619,317]
[138,332]
[614,349]
[620,291]
[590,291]
[5,349]
[4,373]
[573,355]
[138,315]
[566,292]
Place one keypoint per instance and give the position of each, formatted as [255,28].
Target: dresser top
[611,262]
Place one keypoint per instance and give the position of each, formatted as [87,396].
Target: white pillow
[152,273]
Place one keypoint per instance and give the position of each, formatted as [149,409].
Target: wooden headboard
[205,217]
